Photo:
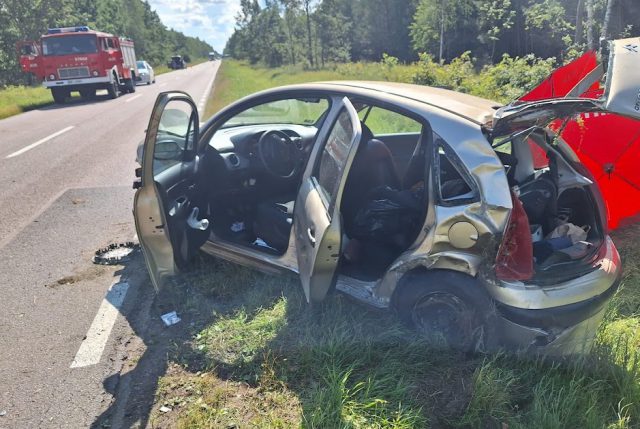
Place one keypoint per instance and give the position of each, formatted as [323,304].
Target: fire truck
[80,59]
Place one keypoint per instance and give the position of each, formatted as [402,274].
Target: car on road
[145,73]
[477,224]
[176,63]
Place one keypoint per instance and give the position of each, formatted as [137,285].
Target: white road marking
[133,98]
[205,96]
[39,142]
[93,344]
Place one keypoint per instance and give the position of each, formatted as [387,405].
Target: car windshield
[290,111]
[141,65]
[70,45]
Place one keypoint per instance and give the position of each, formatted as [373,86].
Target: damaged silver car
[473,222]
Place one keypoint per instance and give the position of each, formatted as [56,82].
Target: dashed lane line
[39,142]
[133,98]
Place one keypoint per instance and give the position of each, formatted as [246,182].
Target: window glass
[176,134]
[383,121]
[334,157]
[69,45]
[453,185]
[289,111]
[539,156]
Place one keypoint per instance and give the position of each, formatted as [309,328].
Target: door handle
[311,236]
[177,206]
[194,223]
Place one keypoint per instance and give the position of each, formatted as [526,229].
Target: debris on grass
[170,318]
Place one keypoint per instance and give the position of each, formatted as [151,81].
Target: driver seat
[273,222]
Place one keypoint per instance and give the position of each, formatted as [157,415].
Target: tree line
[29,19]
[317,32]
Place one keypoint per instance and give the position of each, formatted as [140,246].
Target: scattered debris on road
[115,254]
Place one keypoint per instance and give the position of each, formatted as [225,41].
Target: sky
[210,20]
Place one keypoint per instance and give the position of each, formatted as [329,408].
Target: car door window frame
[459,167]
[315,172]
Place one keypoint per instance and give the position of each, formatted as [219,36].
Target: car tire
[449,308]
[130,86]
[59,95]
[149,83]
[113,89]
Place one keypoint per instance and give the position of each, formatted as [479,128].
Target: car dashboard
[238,145]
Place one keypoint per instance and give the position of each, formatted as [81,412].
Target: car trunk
[562,205]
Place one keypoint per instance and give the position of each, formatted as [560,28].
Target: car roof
[470,107]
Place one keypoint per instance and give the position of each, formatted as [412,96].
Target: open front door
[29,53]
[170,213]
[317,221]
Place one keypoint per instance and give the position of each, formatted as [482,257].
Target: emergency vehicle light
[68,29]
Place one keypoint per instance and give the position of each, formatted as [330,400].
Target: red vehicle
[80,59]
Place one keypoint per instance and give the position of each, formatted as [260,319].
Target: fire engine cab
[80,59]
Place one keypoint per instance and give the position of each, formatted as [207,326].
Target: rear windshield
[70,45]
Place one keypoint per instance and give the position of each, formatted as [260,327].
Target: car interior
[552,193]
[253,167]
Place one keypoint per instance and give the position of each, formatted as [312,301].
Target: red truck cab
[80,59]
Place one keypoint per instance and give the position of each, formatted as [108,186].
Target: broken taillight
[515,255]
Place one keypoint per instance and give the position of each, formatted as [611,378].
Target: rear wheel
[60,95]
[113,89]
[130,86]
[449,309]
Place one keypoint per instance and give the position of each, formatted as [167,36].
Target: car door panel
[317,219]
[167,196]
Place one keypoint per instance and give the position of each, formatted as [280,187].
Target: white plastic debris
[3,413]
[260,242]
[170,318]
[164,409]
[237,227]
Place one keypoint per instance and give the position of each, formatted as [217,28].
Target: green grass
[265,359]
[18,99]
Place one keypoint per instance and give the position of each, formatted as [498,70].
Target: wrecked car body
[477,224]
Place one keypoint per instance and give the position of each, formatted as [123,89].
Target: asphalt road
[65,191]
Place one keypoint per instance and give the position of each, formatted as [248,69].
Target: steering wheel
[279,154]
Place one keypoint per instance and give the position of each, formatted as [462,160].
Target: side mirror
[167,150]
[622,90]
[175,120]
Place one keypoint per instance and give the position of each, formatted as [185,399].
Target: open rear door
[169,210]
[317,220]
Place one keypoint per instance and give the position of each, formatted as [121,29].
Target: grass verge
[264,359]
[17,99]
